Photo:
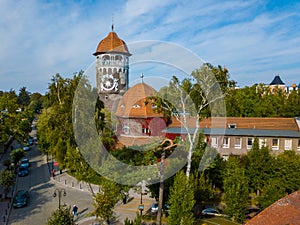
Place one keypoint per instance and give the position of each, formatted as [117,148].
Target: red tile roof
[285,211]
[132,104]
[244,123]
[112,43]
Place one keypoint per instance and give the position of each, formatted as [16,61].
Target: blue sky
[255,40]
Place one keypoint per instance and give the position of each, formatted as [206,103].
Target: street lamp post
[143,192]
[59,192]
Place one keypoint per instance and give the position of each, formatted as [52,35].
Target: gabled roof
[277,81]
[112,43]
[243,126]
[285,211]
[132,104]
[255,123]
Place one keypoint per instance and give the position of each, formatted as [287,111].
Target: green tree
[137,220]
[199,95]
[182,200]
[7,180]
[62,216]
[259,166]
[23,98]
[235,189]
[16,155]
[105,201]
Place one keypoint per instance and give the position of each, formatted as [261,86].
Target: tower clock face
[109,83]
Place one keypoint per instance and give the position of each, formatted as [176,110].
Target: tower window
[106,97]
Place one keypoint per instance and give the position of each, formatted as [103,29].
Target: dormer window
[136,106]
[122,106]
[231,125]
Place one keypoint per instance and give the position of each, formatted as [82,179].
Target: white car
[154,207]
[26,148]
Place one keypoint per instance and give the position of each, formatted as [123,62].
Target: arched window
[126,130]
[106,60]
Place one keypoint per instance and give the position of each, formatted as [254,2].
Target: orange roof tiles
[253,123]
[132,104]
[112,43]
[285,211]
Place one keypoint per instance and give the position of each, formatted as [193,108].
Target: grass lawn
[216,221]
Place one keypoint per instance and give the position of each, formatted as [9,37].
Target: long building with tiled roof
[235,135]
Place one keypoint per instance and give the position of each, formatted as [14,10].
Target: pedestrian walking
[53,172]
[74,210]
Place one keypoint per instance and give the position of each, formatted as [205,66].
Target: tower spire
[112,22]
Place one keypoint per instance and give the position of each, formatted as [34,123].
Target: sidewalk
[5,203]
[65,179]
[122,211]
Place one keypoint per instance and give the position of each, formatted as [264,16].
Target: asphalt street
[41,189]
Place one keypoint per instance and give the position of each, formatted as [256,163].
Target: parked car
[24,163]
[26,148]
[251,212]
[154,207]
[209,212]
[21,199]
[30,141]
[23,171]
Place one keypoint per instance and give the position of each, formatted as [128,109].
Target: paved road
[41,189]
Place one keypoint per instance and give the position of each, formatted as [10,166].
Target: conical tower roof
[113,44]
[277,81]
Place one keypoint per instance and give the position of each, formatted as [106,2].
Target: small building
[235,135]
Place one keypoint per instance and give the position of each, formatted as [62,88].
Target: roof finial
[112,22]
[142,76]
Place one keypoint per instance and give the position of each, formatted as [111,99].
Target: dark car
[210,212]
[24,163]
[23,170]
[21,199]
[251,212]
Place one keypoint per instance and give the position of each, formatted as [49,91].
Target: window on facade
[214,142]
[262,142]
[126,130]
[145,130]
[298,146]
[249,143]
[225,142]
[237,142]
[275,144]
[288,144]
[136,106]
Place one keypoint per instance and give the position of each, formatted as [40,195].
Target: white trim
[238,145]
[226,145]
[288,144]
[275,147]
[249,146]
